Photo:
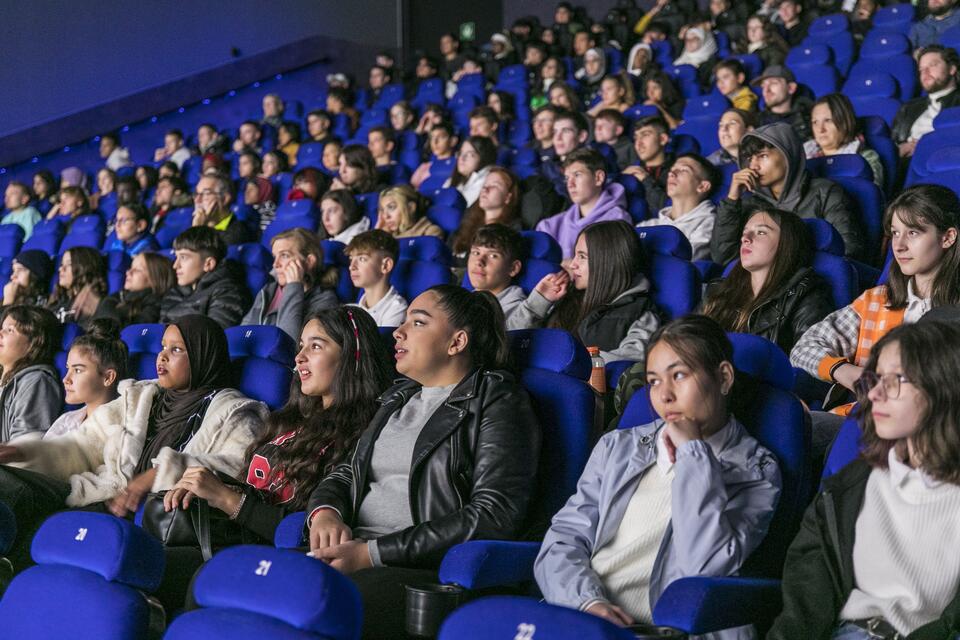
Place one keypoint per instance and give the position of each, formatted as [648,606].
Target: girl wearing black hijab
[140,442]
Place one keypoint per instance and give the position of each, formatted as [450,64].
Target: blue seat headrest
[250,254]
[550,349]
[111,547]
[141,338]
[946,119]
[333,253]
[261,341]
[413,277]
[71,331]
[824,236]
[297,208]
[542,246]
[872,84]
[762,359]
[666,241]
[518,617]
[117,260]
[271,582]
[945,159]
[848,165]
[426,248]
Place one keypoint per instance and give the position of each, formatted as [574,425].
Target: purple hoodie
[567,225]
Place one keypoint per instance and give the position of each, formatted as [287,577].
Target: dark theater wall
[62,57]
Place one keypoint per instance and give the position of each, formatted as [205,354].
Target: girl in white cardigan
[140,442]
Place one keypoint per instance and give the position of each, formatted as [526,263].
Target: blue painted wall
[61,57]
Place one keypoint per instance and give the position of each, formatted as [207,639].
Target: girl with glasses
[876,554]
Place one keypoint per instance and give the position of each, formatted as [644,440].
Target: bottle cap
[594,351]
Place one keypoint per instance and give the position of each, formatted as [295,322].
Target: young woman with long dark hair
[341,370]
[772,291]
[610,305]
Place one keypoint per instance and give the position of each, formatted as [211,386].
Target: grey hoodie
[296,306]
[802,194]
[31,401]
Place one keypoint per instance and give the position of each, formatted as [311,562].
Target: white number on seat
[81,534]
[264,568]
[525,631]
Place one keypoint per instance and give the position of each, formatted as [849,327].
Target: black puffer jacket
[218,295]
[474,469]
[804,301]
[806,196]
[818,575]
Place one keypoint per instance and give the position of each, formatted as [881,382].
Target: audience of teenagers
[341,369]
[772,290]
[373,256]
[206,283]
[540,175]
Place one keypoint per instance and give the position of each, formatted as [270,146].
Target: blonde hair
[405,194]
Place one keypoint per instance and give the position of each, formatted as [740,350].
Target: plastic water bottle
[598,373]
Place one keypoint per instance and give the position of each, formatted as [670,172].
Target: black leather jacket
[802,302]
[473,476]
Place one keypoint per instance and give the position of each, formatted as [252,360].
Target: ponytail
[480,315]
[104,346]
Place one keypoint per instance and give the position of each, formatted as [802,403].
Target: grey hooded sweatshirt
[30,402]
[804,195]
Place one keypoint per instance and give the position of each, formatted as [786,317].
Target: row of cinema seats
[106,567]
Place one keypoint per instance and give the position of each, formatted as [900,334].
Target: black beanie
[38,263]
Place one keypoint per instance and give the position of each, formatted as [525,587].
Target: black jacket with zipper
[802,302]
[912,109]
[473,473]
[818,574]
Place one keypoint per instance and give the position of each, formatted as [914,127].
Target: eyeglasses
[890,383]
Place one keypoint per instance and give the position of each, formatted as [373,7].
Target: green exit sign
[468,31]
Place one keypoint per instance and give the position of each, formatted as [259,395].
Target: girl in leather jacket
[772,291]
[450,456]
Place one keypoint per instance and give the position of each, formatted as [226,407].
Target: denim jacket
[722,502]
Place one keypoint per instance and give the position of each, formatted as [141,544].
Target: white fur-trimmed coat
[99,457]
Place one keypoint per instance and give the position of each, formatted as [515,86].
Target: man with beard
[782,102]
[941,15]
[937,66]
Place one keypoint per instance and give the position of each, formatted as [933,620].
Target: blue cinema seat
[90,580]
[253,592]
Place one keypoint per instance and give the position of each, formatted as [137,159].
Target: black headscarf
[170,417]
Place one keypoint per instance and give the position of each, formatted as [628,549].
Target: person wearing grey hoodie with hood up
[773,170]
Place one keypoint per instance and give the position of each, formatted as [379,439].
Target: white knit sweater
[905,561]
[625,564]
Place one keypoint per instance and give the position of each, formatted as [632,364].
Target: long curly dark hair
[326,436]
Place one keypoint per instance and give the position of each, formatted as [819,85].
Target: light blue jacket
[722,501]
